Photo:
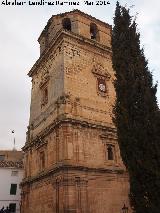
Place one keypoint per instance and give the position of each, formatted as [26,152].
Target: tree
[136,114]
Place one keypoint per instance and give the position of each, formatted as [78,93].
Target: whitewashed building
[11,174]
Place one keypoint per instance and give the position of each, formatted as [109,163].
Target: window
[13,189]
[110,155]
[94,31]
[42,160]
[44,96]
[12,207]
[2,157]
[14,173]
[66,22]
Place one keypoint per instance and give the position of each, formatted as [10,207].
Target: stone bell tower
[72,158]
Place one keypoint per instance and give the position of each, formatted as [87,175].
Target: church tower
[72,158]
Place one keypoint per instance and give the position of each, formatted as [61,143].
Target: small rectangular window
[42,160]
[14,173]
[2,157]
[44,100]
[12,207]
[13,189]
[110,152]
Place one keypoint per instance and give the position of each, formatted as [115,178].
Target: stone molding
[62,120]
[64,168]
[54,107]
[69,181]
[59,37]
[99,70]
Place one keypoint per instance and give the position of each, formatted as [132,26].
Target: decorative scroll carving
[98,69]
[44,78]
[63,99]
[71,52]
[102,75]
[109,135]
[73,69]
[40,143]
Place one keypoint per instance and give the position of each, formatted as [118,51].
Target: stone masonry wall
[77,191]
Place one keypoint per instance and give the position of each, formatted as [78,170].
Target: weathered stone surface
[72,158]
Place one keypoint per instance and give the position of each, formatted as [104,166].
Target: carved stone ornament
[73,69]
[99,70]
[102,76]
[44,78]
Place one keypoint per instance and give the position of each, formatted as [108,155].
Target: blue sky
[20,29]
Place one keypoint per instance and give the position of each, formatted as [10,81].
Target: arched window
[93,31]
[110,152]
[66,22]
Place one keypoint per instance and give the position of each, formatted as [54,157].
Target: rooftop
[11,158]
[8,164]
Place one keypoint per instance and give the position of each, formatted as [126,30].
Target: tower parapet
[78,23]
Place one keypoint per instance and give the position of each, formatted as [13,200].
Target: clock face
[101,85]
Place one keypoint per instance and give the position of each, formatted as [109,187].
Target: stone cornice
[59,38]
[61,101]
[45,53]
[51,172]
[87,41]
[63,120]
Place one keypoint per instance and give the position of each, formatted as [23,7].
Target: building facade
[11,174]
[72,158]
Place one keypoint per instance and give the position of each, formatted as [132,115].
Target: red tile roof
[17,164]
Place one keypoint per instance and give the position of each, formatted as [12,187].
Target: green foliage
[137,116]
